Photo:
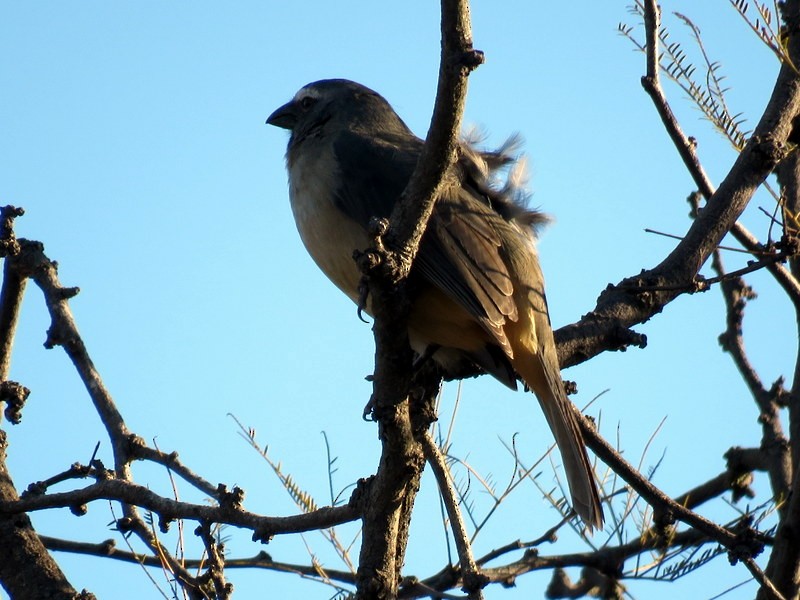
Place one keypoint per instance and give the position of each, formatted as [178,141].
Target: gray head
[335,104]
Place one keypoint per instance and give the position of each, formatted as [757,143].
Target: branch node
[622,338]
[68,292]
[125,525]
[779,394]
[473,581]
[747,544]
[37,488]
[57,336]
[663,520]
[699,284]
[592,582]
[230,500]
[164,521]
[109,546]
[263,535]
[472,59]
[14,395]
[772,150]
[360,496]
[9,246]
[135,446]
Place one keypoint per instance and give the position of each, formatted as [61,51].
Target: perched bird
[476,288]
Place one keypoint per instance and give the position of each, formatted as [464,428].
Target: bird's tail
[549,389]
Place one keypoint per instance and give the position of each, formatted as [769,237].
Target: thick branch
[621,306]
[27,571]
[458,58]
[391,495]
[784,563]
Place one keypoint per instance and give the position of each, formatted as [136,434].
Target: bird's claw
[363,295]
[368,415]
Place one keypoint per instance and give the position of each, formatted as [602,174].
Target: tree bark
[27,571]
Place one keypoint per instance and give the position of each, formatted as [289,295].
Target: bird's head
[331,105]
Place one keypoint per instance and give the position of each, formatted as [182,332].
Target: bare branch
[618,308]
[647,490]
[773,442]
[215,563]
[470,574]
[32,262]
[27,570]
[173,463]
[651,83]
[229,512]
[12,290]
[458,58]
[392,491]
[262,560]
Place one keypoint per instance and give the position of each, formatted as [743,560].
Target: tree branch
[229,512]
[620,307]
[31,262]
[262,560]
[12,290]
[774,444]
[472,579]
[27,571]
[392,490]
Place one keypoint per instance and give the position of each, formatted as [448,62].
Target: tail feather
[549,389]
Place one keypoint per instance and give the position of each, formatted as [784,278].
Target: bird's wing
[476,256]
[461,252]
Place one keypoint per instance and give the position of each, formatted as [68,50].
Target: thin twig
[473,581]
[739,547]
[702,284]
[720,247]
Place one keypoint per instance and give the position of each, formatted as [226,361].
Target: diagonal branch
[27,570]
[31,262]
[618,308]
[473,580]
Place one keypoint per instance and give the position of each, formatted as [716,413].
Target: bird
[476,287]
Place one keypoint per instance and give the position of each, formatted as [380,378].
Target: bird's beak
[285,117]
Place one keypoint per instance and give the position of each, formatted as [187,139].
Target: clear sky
[133,135]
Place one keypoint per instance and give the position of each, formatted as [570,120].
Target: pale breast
[327,233]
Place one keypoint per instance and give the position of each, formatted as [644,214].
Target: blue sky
[133,135]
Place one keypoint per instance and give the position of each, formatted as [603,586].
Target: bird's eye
[307,102]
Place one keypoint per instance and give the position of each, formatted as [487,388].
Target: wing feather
[461,252]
